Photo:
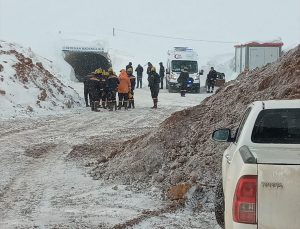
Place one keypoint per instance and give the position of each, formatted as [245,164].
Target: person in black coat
[95,91]
[102,87]
[154,81]
[129,65]
[139,75]
[149,69]
[112,84]
[112,88]
[161,74]
[183,80]
[211,80]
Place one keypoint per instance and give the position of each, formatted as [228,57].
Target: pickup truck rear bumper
[243,226]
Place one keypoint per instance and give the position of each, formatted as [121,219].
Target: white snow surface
[40,187]
[21,96]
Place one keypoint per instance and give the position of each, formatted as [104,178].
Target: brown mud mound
[39,150]
[181,150]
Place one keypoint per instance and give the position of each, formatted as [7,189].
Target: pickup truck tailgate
[278,196]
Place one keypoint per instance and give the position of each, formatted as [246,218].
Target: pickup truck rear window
[281,126]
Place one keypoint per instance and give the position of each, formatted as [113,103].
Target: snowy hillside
[29,85]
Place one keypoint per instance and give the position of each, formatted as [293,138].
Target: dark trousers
[123,97]
[104,95]
[94,100]
[87,97]
[139,82]
[183,88]
[161,82]
[112,96]
[95,96]
[210,84]
[154,92]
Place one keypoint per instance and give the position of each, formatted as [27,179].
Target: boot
[154,104]
[132,102]
[92,105]
[120,106]
[96,105]
[103,104]
[129,106]
[115,105]
[110,106]
[126,105]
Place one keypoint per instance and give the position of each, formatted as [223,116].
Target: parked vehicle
[178,59]
[260,185]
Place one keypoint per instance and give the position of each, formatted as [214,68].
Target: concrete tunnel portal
[86,60]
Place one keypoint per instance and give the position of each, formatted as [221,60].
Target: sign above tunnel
[82,49]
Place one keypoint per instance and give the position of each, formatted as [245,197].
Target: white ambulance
[178,59]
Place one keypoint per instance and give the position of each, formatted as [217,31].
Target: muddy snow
[44,185]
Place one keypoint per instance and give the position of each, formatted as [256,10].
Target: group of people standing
[184,78]
[101,87]
[139,73]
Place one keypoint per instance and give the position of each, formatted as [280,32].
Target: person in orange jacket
[123,89]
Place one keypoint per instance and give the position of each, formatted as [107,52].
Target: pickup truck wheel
[219,204]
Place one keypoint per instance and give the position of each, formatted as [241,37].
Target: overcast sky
[36,23]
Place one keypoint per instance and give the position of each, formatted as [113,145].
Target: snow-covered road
[41,188]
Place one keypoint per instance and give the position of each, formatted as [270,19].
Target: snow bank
[29,84]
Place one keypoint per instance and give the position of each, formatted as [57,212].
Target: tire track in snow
[23,195]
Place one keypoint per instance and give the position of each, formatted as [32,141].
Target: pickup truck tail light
[244,201]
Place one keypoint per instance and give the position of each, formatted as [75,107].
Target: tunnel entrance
[84,63]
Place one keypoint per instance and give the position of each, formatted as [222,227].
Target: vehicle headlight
[173,77]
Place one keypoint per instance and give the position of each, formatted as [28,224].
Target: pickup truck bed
[260,187]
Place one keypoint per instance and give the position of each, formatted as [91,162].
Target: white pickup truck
[260,186]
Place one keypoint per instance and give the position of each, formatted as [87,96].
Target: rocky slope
[29,86]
